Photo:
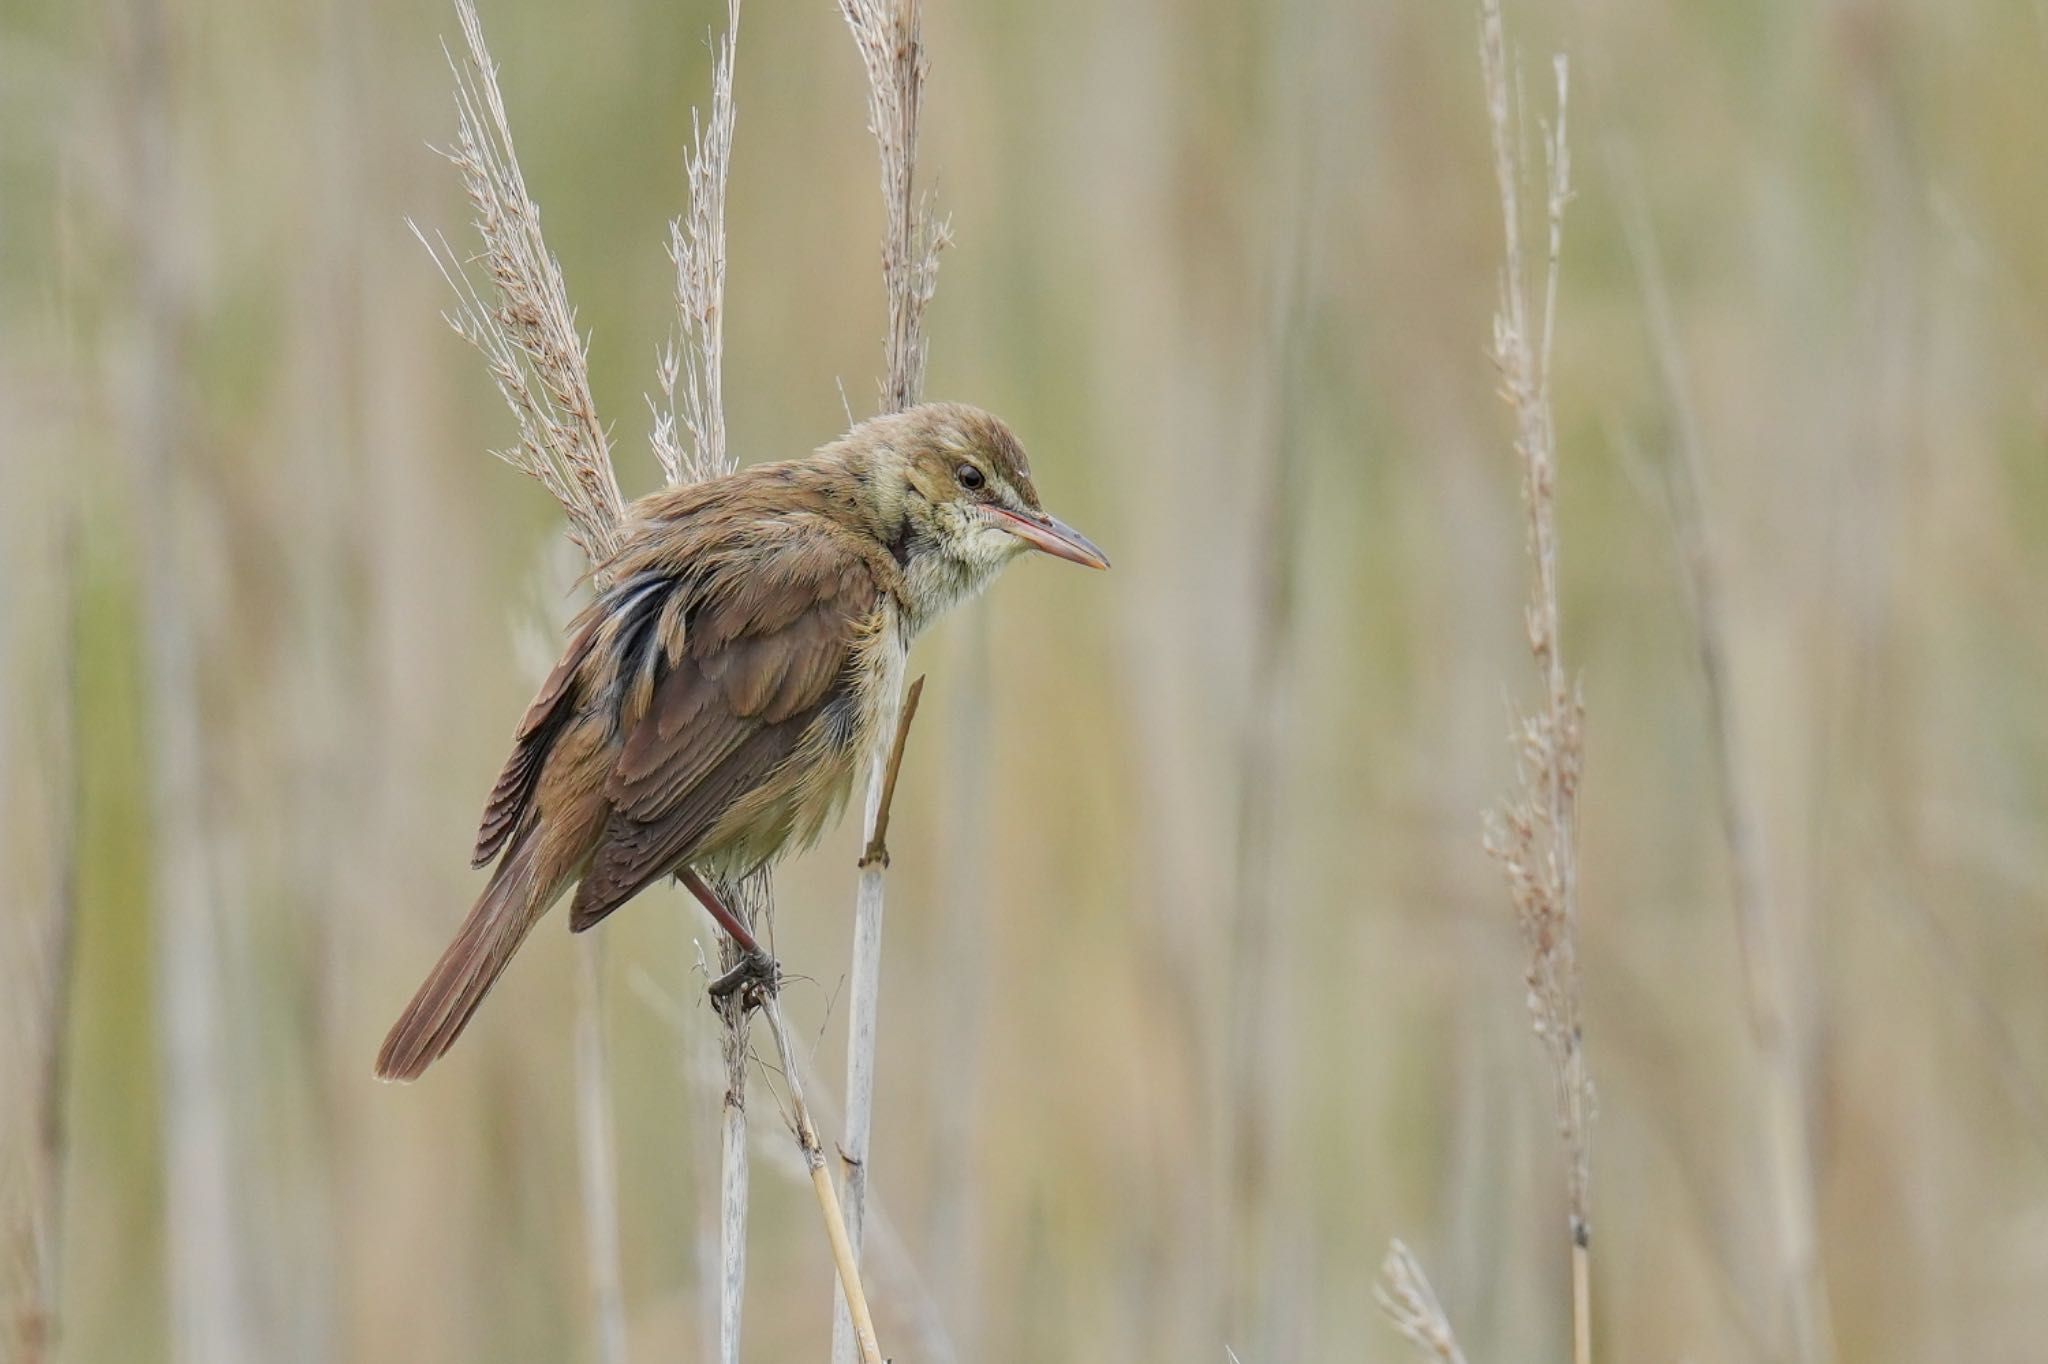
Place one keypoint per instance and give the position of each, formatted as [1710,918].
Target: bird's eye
[970,477]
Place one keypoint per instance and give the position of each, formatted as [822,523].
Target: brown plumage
[715,700]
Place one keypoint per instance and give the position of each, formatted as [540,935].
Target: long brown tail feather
[503,915]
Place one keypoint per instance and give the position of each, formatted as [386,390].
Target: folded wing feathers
[716,658]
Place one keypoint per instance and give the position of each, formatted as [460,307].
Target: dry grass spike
[1404,1295]
[1535,835]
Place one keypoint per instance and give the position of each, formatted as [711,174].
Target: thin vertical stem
[1582,1303]
[867,965]
[1406,1298]
[845,1258]
[733,1175]
[752,901]
[1535,835]
[1803,1316]
[51,958]
[209,1280]
[888,35]
[596,1155]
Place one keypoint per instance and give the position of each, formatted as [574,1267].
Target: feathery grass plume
[528,337]
[529,341]
[1802,1316]
[889,37]
[691,367]
[1404,1295]
[1535,834]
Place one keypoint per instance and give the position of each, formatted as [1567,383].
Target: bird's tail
[507,910]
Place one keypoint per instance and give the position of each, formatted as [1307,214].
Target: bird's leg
[755,965]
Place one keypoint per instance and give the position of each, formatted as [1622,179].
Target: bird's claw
[753,969]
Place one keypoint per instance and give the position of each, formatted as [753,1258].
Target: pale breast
[804,797]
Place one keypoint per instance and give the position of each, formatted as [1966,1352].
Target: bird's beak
[1052,535]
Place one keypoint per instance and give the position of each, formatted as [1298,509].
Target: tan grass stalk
[752,900]
[917,1307]
[1802,1316]
[689,442]
[733,1176]
[1404,1295]
[529,341]
[888,35]
[844,1258]
[1535,835]
[914,1305]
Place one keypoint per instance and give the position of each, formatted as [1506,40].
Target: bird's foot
[755,968]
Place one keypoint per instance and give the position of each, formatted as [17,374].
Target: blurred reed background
[268,614]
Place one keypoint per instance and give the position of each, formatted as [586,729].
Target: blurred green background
[268,613]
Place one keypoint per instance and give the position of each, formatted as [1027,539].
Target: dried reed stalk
[915,1304]
[1404,1295]
[1802,1316]
[1535,835]
[691,372]
[733,1176]
[751,899]
[529,341]
[888,35]
[843,1254]
[919,1309]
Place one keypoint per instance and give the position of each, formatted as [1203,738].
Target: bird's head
[950,491]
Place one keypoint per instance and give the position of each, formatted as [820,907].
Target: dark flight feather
[544,718]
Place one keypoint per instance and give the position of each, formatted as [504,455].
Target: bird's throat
[935,582]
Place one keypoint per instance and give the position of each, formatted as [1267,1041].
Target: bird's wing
[766,633]
[551,708]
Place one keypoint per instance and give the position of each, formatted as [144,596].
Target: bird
[717,695]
